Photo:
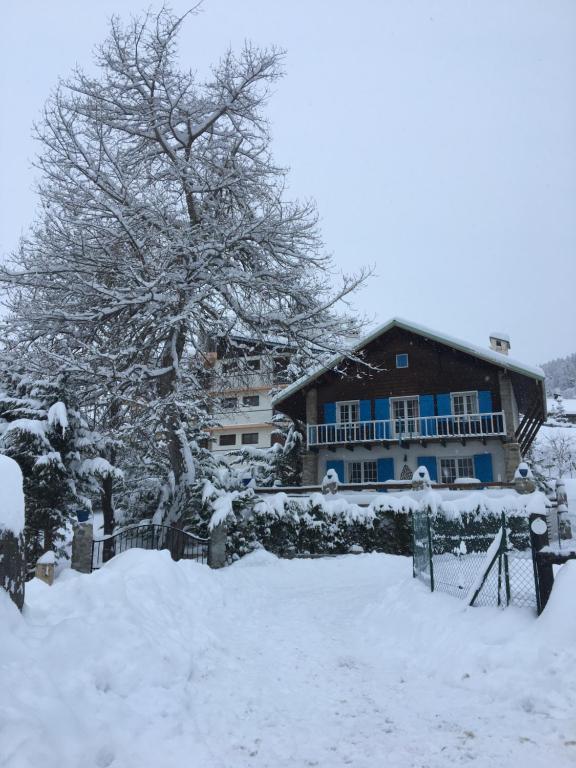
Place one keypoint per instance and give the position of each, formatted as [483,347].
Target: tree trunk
[107,502]
[167,389]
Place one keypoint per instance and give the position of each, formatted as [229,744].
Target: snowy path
[335,662]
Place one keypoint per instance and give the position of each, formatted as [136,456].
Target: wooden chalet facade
[406,396]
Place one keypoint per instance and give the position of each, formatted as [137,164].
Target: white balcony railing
[393,430]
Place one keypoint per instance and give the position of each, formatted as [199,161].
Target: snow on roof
[497,358]
[500,335]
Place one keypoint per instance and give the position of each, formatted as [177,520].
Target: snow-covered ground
[344,661]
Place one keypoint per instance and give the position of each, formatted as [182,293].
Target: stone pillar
[13,566]
[512,455]
[524,485]
[508,405]
[310,458]
[217,547]
[82,547]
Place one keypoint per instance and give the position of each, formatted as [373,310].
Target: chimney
[500,342]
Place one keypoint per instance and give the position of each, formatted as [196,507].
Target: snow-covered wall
[11,497]
[12,561]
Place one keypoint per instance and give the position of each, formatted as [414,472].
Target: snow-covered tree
[558,411]
[164,222]
[45,434]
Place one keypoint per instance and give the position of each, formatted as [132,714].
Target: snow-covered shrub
[319,524]
[316,525]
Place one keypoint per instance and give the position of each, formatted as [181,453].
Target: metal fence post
[430,551]
[504,555]
[543,572]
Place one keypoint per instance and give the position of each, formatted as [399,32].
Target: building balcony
[475,425]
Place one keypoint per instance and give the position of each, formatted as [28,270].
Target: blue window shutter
[485,401]
[444,403]
[428,425]
[382,408]
[365,410]
[385,470]
[382,413]
[430,463]
[338,465]
[483,467]
[329,413]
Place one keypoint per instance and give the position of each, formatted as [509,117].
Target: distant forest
[561,376]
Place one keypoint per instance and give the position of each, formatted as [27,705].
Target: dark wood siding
[433,369]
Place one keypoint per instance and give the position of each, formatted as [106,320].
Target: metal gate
[181,544]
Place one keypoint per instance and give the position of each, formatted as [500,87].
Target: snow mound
[558,621]
[260,557]
[11,497]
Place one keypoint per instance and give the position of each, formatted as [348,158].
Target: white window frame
[468,393]
[250,405]
[456,459]
[362,463]
[414,420]
[348,403]
[407,356]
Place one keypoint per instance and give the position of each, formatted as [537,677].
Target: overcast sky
[438,138]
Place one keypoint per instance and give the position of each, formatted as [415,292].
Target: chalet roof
[491,356]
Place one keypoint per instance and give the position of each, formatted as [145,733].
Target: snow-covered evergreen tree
[558,411]
[50,441]
[164,223]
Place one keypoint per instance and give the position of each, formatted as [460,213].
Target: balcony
[400,430]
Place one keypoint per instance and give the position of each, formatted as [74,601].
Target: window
[464,403]
[452,469]
[251,400]
[405,415]
[280,370]
[362,472]
[229,403]
[227,440]
[347,411]
[240,365]
[402,361]
[250,438]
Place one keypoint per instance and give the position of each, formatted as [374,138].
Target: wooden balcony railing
[397,430]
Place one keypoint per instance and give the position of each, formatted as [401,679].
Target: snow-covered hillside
[336,662]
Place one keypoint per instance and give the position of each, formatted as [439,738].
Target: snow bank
[11,497]
[334,662]
[558,621]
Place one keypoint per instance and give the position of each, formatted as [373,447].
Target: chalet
[407,396]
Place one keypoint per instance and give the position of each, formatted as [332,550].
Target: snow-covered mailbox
[12,559]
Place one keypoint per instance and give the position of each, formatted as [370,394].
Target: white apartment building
[243,374]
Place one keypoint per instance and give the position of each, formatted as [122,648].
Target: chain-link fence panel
[485,560]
